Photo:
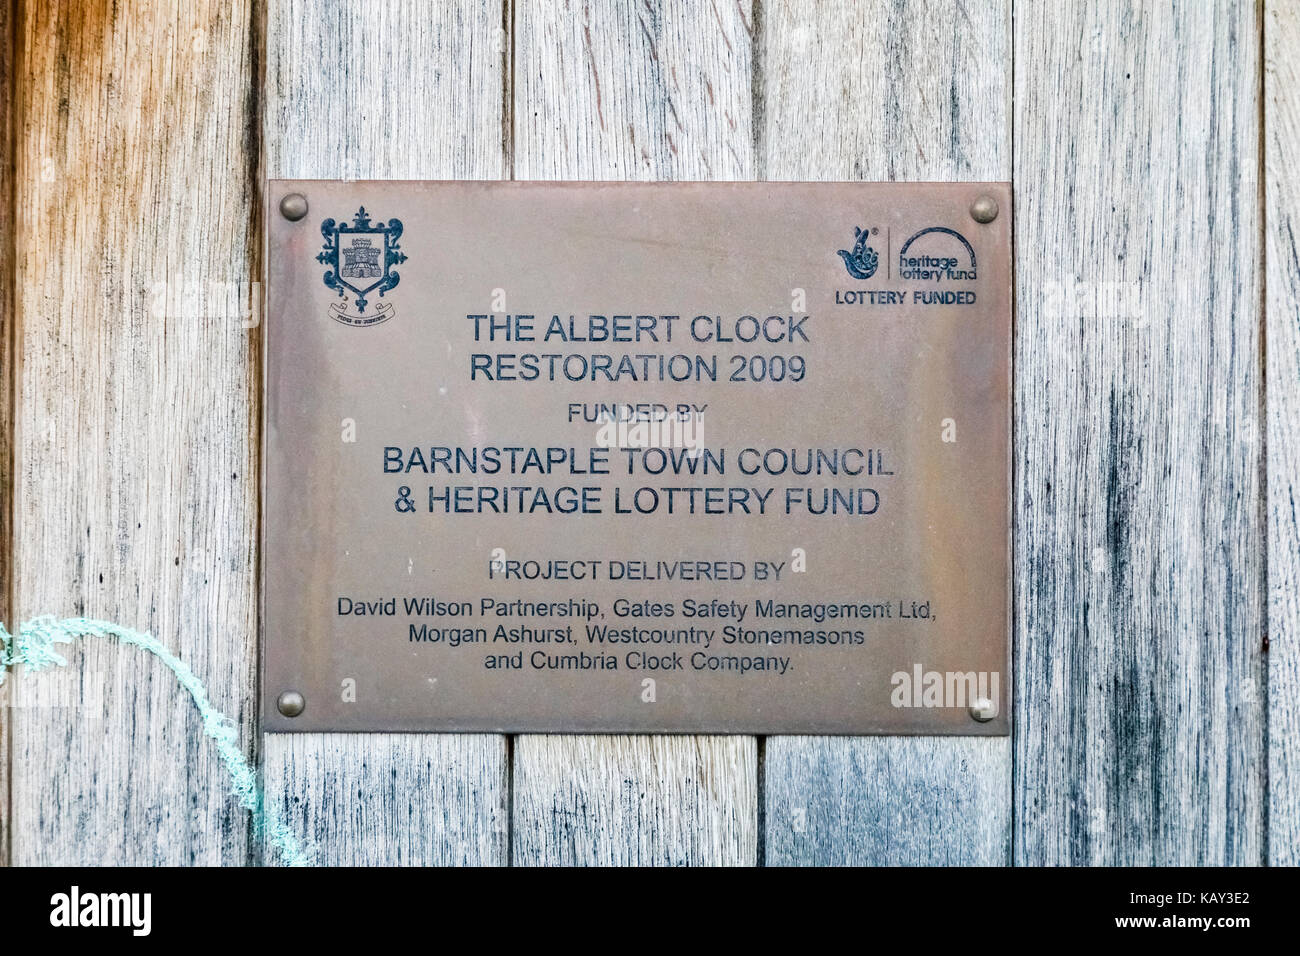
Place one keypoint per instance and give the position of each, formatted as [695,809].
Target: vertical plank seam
[1013,617]
[1261,190]
[509,810]
[255,147]
[10,347]
[757,104]
[760,784]
[508,88]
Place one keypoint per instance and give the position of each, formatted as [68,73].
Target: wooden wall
[7,11]
[1281,405]
[1153,149]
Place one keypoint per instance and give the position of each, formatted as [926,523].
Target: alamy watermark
[964,689]
[236,303]
[645,425]
[1070,298]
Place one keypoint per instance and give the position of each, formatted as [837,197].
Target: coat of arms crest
[359,259]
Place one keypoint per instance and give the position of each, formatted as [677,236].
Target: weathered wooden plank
[635,801]
[854,91]
[1139,683]
[409,89]
[136,425]
[1282,336]
[839,801]
[606,90]
[392,799]
[646,91]
[7,11]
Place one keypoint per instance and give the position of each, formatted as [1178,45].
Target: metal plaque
[697,457]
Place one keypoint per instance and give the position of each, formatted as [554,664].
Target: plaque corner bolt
[293,206]
[984,209]
[291,703]
[983,710]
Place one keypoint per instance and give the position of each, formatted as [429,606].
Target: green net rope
[34,647]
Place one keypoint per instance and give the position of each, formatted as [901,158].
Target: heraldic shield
[359,259]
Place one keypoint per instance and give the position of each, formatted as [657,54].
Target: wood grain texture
[609,90]
[854,91]
[634,91]
[392,799]
[402,89]
[840,801]
[635,801]
[1153,563]
[1140,679]
[136,426]
[7,11]
[1282,224]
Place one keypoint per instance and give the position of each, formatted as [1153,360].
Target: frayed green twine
[33,646]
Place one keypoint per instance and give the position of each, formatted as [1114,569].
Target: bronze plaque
[698,457]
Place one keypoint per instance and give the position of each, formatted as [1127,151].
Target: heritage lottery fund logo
[359,257]
[934,266]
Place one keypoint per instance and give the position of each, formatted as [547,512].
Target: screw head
[291,703]
[293,206]
[984,209]
[983,709]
